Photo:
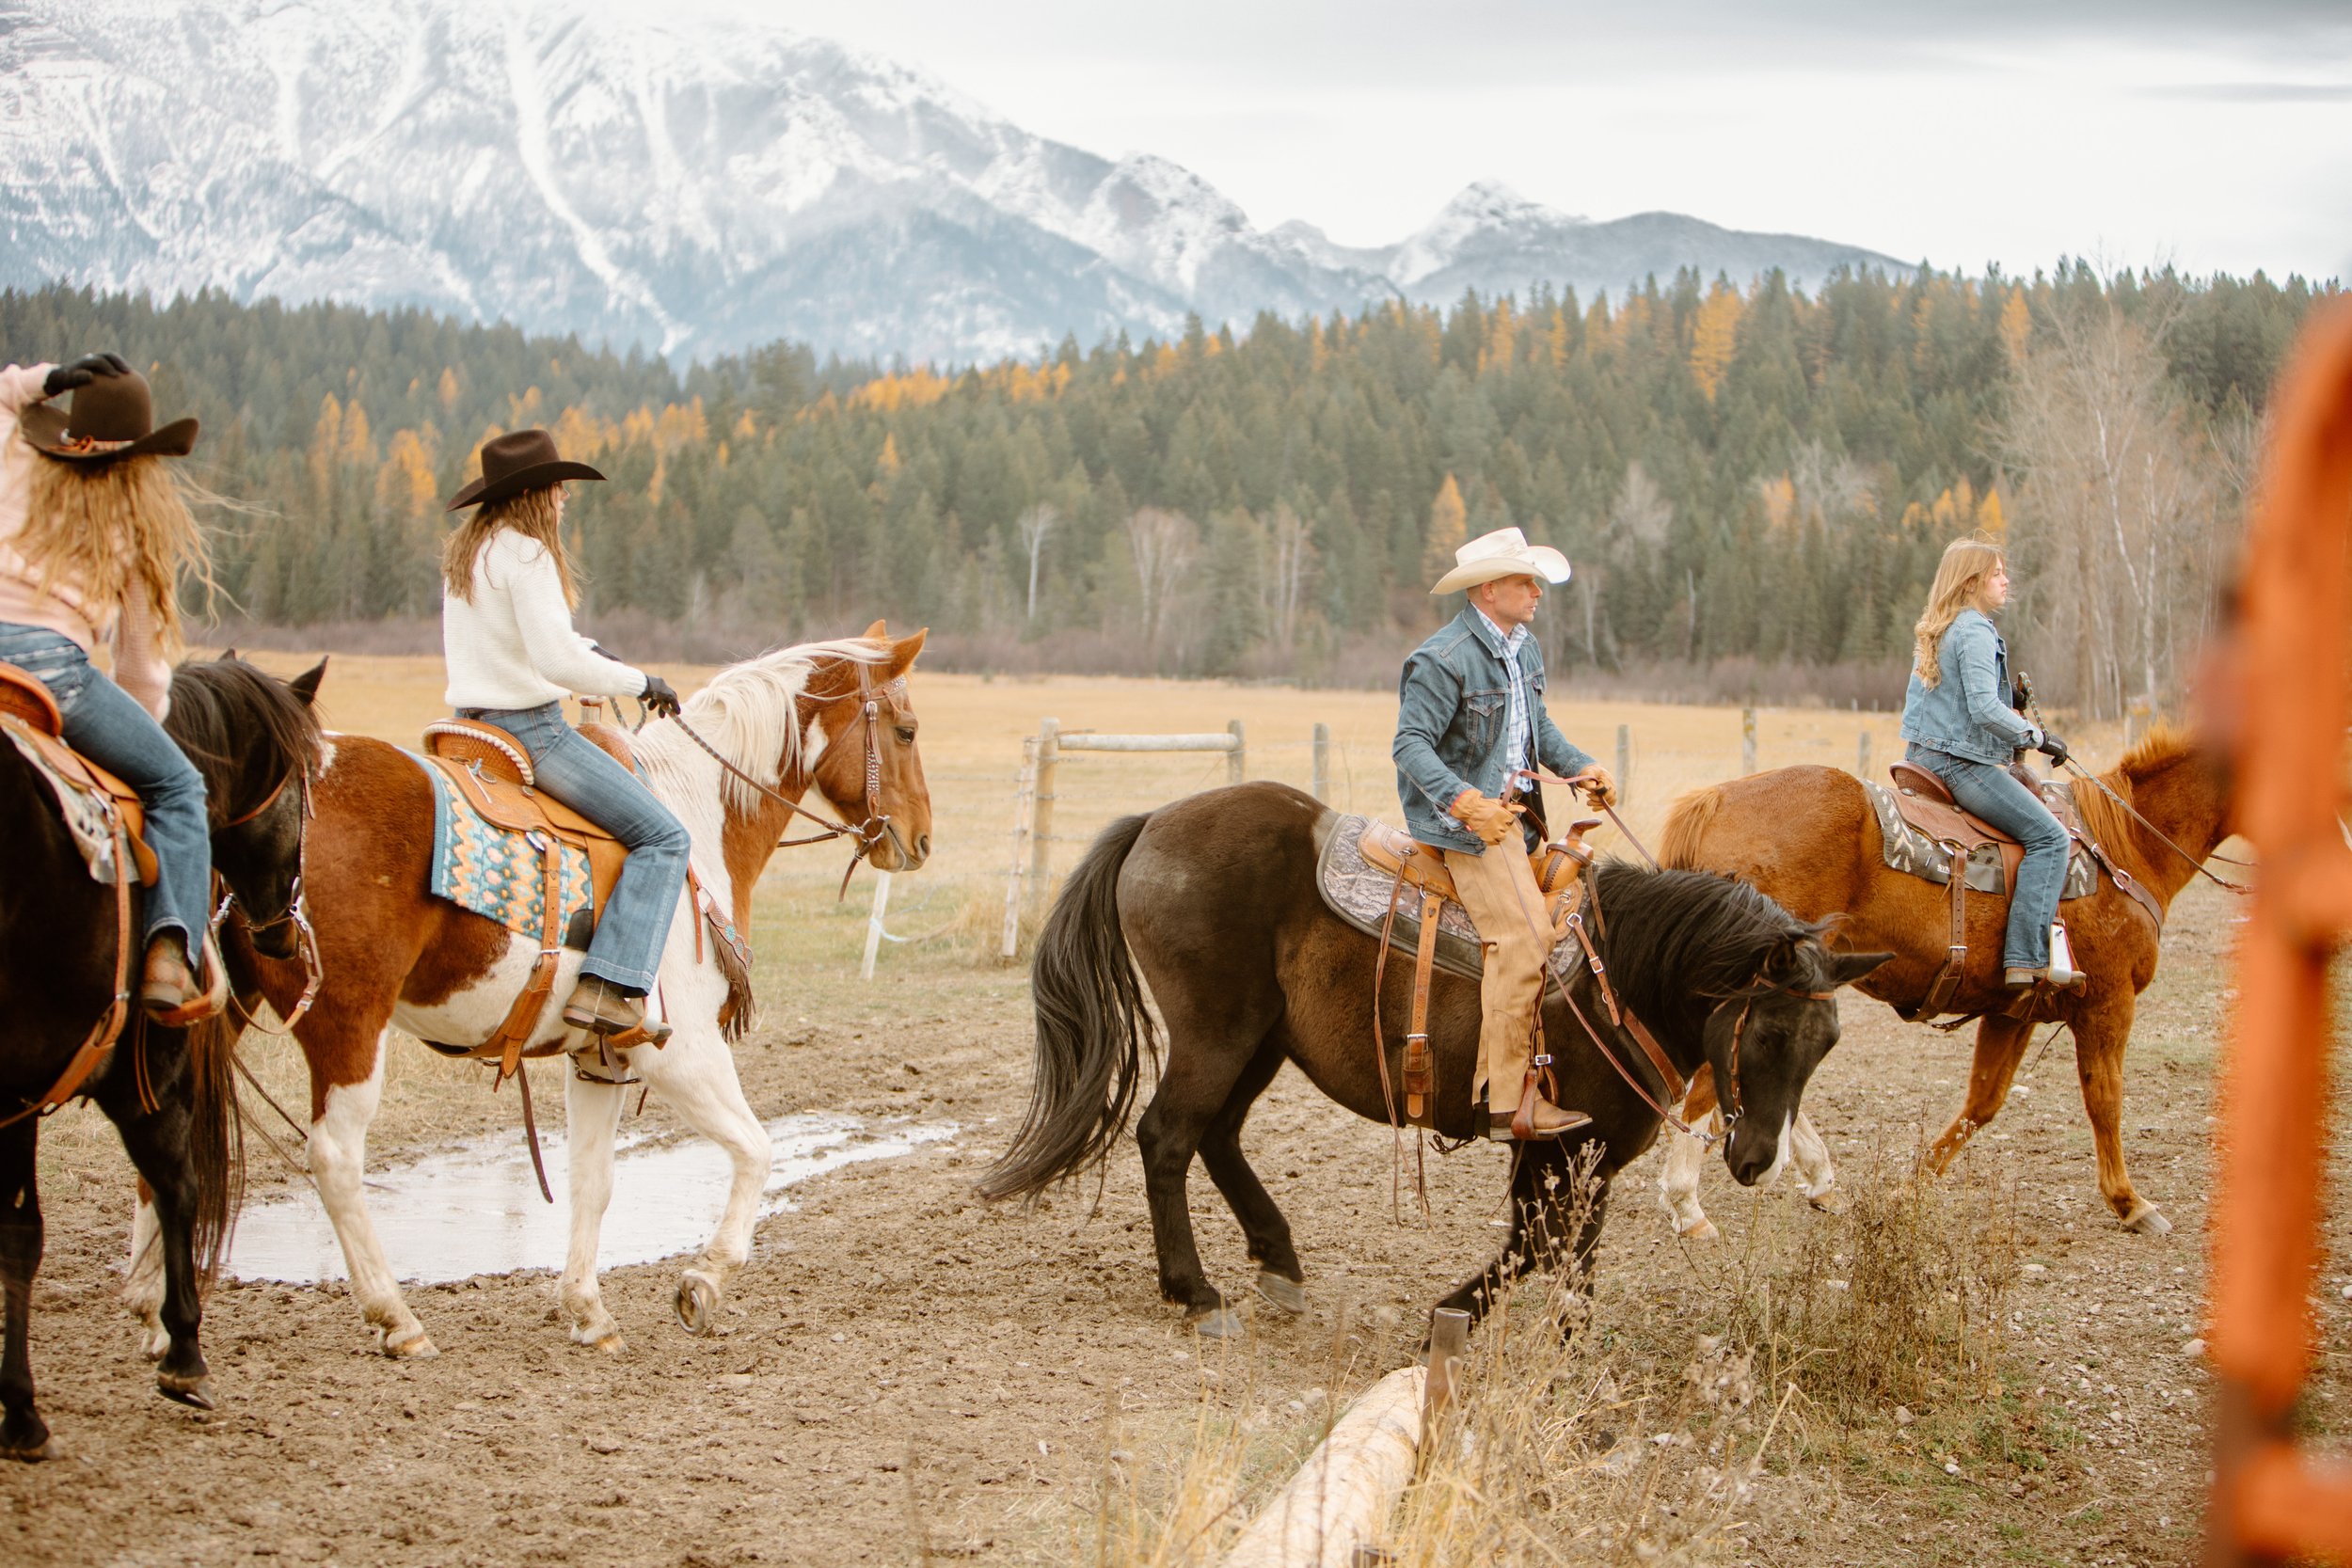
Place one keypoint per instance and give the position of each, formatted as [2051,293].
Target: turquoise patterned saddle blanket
[495,872]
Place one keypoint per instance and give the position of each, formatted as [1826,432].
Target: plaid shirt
[1515,725]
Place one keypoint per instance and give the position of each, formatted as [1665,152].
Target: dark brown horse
[167,1091]
[1214,898]
[1808,838]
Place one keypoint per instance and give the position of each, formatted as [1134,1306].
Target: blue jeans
[105,724]
[627,948]
[1995,795]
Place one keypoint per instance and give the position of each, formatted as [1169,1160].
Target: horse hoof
[417,1347]
[697,1305]
[194,1392]
[611,1343]
[1222,1323]
[1288,1294]
[1703,1231]
[1829,1201]
[45,1449]
[2148,1220]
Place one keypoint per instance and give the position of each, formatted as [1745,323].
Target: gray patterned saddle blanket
[1357,892]
[1908,850]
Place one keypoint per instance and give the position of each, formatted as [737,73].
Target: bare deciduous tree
[1163,544]
[1034,525]
[1291,550]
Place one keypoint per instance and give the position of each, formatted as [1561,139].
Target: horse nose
[923,846]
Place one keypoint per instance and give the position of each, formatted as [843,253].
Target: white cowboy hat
[1503,553]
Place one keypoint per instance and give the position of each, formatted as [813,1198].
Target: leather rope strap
[102,1034]
[515,1033]
[1534,776]
[1417,1074]
[1946,982]
[1380,1055]
[2194,863]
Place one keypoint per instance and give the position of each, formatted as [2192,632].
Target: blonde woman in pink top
[95,538]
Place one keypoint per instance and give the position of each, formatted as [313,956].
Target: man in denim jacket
[1469,724]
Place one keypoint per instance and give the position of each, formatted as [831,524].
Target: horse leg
[23,1433]
[695,1076]
[339,1150]
[1203,1066]
[143,1286]
[1542,1202]
[158,1145]
[592,1116]
[2099,1039]
[1686,1160]
[2000,1047]
[1279,1276]
[1808,1153]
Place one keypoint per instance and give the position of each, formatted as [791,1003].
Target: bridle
[868,833]
[306,939]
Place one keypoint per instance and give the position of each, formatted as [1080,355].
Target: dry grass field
[1984,1370]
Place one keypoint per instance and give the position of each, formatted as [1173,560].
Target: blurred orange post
[2279,695]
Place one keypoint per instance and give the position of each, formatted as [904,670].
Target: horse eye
[906,735]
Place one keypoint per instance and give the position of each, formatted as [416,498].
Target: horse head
[1765,1039]
[869,769]
[256,741]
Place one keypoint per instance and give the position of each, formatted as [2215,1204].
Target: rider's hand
[1491,819]
[2055,749]
[659,697]
[64,378]
[1598,788]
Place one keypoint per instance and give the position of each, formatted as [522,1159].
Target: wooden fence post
[1319,779]
[1861,756]
[1747,740]
[1625,764]
[1024,801]
[1235,767]
[1041,812]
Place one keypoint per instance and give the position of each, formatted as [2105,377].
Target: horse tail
[216,1140]
[1093,1028]
[1687,822]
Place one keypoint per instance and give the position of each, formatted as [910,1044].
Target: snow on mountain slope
[692,184]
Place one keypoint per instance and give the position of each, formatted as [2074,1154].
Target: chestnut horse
[1214,898]
[1808,837]
[829,715]
[167,1091]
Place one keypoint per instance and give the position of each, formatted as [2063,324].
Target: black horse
[167,1091]
[1215,898]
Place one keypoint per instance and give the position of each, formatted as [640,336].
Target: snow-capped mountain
[694,184]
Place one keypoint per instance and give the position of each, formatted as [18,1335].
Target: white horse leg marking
[143,1292]
[593,1114]
[1678,1182]
[339,1153]
[1780,1152]
[1816,1176]
[694,1075]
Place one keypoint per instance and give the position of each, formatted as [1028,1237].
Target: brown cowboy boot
[170,987]
[602,1008]
[1537,1118]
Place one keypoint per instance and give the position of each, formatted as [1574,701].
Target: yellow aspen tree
[1715,336]
[2016,326]
[1991,517]
[1449,526]
[889,462]
[448,389]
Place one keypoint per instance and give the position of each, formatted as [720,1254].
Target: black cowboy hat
[518,461]
[113,416]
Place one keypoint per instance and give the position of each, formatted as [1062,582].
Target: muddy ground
[906,1374]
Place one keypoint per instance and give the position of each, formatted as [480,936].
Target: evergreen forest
[1754,483]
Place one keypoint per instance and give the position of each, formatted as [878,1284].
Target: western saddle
[30,714]
[1926,802]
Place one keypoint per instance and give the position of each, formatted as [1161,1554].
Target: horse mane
[2152,752]
[231,719]
[751,711]
[1679,940]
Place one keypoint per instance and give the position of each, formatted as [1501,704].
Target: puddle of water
[476,1208]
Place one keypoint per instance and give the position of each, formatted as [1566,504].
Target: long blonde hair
[535,515]
[111,530]
[1958,578]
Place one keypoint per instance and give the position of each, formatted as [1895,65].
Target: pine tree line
[1739,475]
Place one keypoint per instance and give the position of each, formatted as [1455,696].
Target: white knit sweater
[512,645]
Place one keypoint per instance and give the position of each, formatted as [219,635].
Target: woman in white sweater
[506,632]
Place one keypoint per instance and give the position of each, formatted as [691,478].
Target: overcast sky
[2215,135]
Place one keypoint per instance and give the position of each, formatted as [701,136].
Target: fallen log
[1340,1497]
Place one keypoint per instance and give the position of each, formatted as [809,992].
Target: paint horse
[1808,837]
[833,717]
[67,960]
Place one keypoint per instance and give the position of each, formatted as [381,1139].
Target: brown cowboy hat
[113,416]
[518,461]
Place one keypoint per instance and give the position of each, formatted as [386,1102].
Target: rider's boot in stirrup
[602,1008]
[170,987]
[1537,1118]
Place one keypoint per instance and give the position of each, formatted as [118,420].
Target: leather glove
[64,378]
[1489,818]
[2055,749]
[1598,788]
[659,697]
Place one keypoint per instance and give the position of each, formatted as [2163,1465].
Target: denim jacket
[1966,713]
[1450,713]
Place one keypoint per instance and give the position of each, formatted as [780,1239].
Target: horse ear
[877,632]
[903,652]
[228,654]
[1846,967]
[306,685]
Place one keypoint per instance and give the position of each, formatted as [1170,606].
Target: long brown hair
[1957,576]
[533,514]
[111,530]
